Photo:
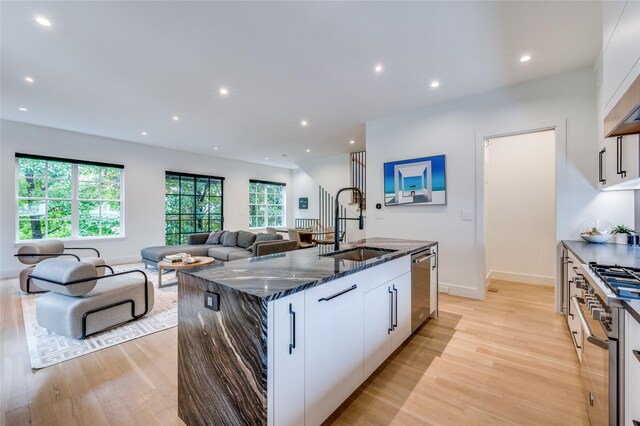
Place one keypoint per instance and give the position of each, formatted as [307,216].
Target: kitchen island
[286,338]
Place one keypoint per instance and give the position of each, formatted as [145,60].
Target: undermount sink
[359,254]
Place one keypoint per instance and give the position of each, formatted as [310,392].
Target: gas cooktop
[624,282]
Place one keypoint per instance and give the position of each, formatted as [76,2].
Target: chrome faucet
[337,218]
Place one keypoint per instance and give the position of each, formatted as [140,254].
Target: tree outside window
[67,199]
[193,204]
[266,204]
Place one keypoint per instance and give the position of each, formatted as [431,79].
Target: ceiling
[116,69]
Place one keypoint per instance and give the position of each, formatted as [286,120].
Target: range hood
[624,118]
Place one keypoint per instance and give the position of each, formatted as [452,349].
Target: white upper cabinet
[619,163]
[621,44]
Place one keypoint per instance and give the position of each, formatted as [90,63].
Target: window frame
[266,204]
[181,175]
[74,217]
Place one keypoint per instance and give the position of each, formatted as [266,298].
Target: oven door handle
[591,338]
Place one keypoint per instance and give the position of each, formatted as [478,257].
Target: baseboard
[521,278]
[13,273]
[459,290]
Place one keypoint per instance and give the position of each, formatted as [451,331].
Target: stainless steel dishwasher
[424,273]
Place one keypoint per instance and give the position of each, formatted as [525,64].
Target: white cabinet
[387,320]
[318,338]
[619,163]
[621,49]
[573,320]
[433,300]
[334,351]
[632,370]
[287,353]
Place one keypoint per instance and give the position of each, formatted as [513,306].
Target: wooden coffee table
[162,265]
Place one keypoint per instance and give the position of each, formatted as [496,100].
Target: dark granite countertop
[633,307]
[606,254]
[274,276]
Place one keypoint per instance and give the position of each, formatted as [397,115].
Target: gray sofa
[248,245]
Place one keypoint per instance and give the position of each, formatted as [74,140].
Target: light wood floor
[505,360]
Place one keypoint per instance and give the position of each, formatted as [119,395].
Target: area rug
[47,348]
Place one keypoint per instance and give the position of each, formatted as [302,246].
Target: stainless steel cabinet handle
[340,293]
[292,339]
[604,344]
[422,259]
[390,329]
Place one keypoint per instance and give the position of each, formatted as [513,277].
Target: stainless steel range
[593,305]
[623,281]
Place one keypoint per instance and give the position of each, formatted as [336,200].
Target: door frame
[559,125]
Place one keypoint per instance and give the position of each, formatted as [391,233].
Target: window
[61,198]
[193,204]
[266,204]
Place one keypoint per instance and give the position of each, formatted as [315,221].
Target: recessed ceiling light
[215,148]
[266,158]
[525,58]
[303,123]
[175,118]
[378,68]
[144,133]
[434,84]
[43,21]
[23,109]
[352,142]
[28,79]
[308,150]
[224,91]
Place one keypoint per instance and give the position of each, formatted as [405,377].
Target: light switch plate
[212,301]
[467,214]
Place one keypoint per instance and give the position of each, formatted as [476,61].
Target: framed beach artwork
[420,181]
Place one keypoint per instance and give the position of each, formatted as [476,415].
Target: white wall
[304,185]
[520,191]
[143,189]
[451,128]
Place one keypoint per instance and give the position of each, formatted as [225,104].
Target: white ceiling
[116,69]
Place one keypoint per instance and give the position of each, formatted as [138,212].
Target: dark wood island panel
[212,390]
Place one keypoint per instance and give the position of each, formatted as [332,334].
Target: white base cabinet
[387,320]
[325,341]
[632,371]
[334,339]
[287,355]
[433,299]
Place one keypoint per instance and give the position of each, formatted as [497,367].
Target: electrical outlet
[212,301]
[467,214]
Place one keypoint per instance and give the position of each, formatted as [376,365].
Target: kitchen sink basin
[359,254]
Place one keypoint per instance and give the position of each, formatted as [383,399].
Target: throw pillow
[230,239]
[215,237]
[245,239]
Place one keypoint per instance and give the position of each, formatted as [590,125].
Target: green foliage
[265,205]
[622,229]
[45,192]
[191,205]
